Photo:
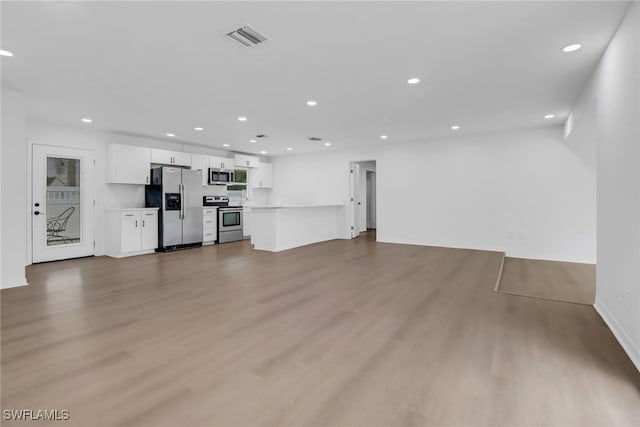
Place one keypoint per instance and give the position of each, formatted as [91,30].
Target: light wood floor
[558,281]
[342,333]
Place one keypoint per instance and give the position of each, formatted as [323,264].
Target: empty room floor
[341,333]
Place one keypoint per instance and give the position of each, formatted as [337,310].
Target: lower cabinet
[209,225]
[132,232]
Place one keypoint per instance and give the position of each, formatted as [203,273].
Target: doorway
[371,199]
[62,203]
[363,200]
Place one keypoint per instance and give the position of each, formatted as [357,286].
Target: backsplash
[215,190]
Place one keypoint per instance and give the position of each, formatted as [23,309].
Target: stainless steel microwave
[220,176]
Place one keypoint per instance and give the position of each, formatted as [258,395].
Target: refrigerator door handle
[181,200]
[184,200]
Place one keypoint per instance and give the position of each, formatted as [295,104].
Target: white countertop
[310,205]
[131,209]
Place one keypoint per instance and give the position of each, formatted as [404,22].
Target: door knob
[36,213]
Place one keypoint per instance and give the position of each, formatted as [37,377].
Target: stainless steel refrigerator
[177,192]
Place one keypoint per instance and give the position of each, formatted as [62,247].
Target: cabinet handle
[146,179]
[128,214]
[143,222]
[136,223]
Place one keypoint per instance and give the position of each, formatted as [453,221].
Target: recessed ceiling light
[5,53]
[289,149]
[549,116]
[312,103]
[455,127]
[383,137]
[571,47]
[242,119]
[198,129]
[253,141]
[263,152]
[225,145]
[327,144]
[413,81]
[86,120]
[171,134]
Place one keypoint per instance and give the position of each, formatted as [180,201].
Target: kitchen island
[280,227]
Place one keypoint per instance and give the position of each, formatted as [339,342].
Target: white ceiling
[147,68]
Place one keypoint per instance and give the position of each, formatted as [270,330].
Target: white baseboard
[627,344]
[495,288]
[14,285]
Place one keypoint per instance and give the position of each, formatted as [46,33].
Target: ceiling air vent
[261,135]
[315,138]
[247,36]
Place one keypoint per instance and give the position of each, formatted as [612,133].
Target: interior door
[192,202]
[62,203]
[354,178]
[371,199]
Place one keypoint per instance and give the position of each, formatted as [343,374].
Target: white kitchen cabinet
[182,159]
[262,176]
[222,163]
[174,158]
[209,225]
[128,164]
[201,162]
[149,230]
[132,232]
[161,157]
[246,161]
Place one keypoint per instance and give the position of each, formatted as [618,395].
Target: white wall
[524,192]
[612,99]
[15,214]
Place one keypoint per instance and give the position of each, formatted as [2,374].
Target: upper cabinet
[201,162]
[221,163]
[246,161]
[262,176]
[127,164]
[174,158]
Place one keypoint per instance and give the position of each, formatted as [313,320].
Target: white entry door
[62,204]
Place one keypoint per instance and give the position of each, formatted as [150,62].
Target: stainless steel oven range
[229,224]
[229,218]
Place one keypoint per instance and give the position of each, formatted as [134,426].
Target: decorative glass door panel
[63,201]
[62,205]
